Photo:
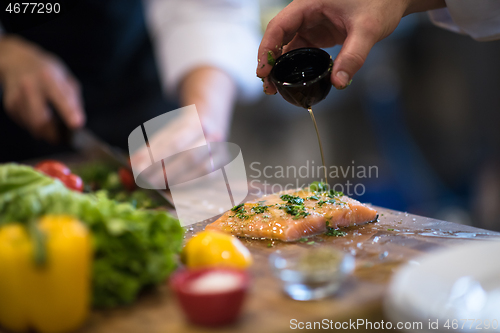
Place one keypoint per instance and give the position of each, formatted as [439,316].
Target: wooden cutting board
[379,248]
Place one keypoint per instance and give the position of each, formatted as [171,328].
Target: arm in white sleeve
[188,34]
[479,19]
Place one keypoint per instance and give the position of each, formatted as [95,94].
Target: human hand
[355,24]
[32,80]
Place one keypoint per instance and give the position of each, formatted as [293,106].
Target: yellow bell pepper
[53,297]
[211,248]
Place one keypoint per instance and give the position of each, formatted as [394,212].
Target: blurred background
[425,110]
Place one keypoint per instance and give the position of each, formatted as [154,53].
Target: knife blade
[87,143]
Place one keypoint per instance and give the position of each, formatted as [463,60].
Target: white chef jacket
[191,33]
[479,19]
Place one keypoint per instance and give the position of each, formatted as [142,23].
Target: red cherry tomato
[53,168]
[127,179]
[73,182]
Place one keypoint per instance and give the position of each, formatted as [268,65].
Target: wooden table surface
[378,251]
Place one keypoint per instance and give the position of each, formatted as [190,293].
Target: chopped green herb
[269,244]
[318,187]
[390,229]
[303,240]
[237,207]
[240,212]
[294,206]
[259,209]
[242,215]
[270,58]
[335,232]
[333,194]
[297,211]
[331,201]
[322,202]
[312,197]
[310,243]
[292,199]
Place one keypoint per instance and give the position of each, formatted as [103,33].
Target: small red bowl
[209,309]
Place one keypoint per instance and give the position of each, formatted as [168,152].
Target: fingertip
[269,87]
[340,79]
[351,58]
[270,90]
[265,64]
[260,66]
[261,73]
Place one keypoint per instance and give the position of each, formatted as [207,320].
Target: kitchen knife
[87,143]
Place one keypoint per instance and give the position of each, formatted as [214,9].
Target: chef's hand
[213,92]
[33,79]
[356,24]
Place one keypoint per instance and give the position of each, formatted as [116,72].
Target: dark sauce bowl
[302,76]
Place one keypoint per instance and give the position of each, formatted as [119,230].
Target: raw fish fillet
[292,215]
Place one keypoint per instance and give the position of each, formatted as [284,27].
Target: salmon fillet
[292,215]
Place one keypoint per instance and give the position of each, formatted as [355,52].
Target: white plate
[462,282]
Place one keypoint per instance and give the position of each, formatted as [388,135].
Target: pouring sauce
[319,143]
[302,77]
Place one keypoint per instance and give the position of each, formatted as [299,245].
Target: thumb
[350,59]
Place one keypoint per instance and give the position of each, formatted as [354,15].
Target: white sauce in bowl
[215,282]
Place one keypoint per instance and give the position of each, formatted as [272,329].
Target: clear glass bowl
[311,274]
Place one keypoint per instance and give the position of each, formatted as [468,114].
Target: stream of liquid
[319,142]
